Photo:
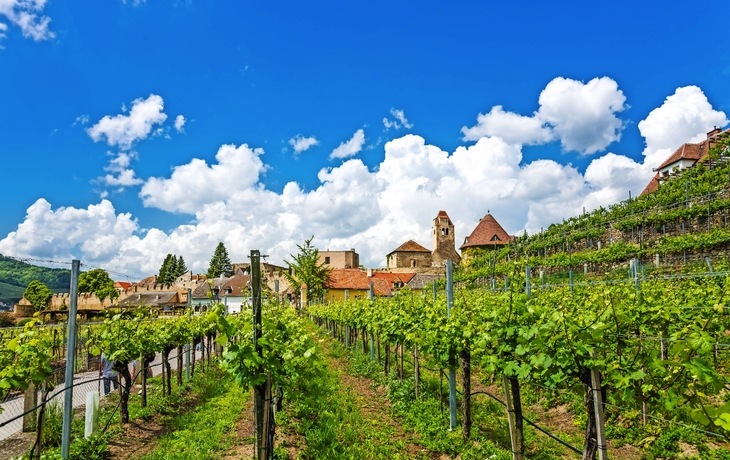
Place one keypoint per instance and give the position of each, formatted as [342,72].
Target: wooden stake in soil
[466,394]
[416,369]
[600,420]
[516,447]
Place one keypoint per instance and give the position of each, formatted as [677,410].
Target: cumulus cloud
[372,210]
[195,184]
[179,123]
[351,147]
[400,120]
[582,116]
[300,143]
[513,128]
[28,15]
[124,130]
[124,178]
[685,116]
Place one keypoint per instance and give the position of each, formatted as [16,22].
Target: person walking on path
[107,372]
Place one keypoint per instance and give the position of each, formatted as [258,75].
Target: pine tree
[220,264]
[166,270]
[181,267]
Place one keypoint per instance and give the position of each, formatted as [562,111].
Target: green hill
[15,276]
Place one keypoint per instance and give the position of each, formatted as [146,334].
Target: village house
[685,157]
[233,292]
[354,283]
[488,234]
[339,259]
[412,256]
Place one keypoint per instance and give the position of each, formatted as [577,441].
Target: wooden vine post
[600,419]
[259,391]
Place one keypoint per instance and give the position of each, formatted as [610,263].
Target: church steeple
[443,240]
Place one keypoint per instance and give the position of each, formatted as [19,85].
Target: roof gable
[487,233]
[356,279]
[409,246]
[443,215]
[686,152]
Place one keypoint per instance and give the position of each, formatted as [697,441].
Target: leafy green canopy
[220,263]
[305,270]
[38,294]
[172,268]
[98,282]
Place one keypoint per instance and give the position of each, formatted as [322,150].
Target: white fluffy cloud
[351,147]
[28,15]
[513,128]
[179,123]
[685,116]
[373,211]
[300,143]
[124,178]
[400,120]
[124,130]
[581,115]
[195,184]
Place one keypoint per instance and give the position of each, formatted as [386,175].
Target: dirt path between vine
[375,405]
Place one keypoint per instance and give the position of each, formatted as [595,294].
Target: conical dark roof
[487,233]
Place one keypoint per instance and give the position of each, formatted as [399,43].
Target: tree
[98,282]
[304,270]
[38,294]
[172,268]
[165,270]
[181,267]
[220,264]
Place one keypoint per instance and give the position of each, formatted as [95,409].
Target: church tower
[443,241]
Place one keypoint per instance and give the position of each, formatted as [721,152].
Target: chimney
[370,272]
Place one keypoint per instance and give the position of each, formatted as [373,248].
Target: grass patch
[207,429]
[330,421]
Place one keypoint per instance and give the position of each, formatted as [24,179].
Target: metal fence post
[452,371]
[70,360]
[187,345]
[372,339]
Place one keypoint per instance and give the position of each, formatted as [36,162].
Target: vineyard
[650,351]
[659,346]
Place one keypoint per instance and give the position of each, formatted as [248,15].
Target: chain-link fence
[34,416]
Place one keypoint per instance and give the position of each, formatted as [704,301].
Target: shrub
[7,320]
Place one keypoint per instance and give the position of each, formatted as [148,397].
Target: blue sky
[574,82]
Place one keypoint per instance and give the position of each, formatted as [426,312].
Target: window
[413,263]
[327,260]
[495,238]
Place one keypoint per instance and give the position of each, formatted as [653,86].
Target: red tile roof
[122,284]
[487,233]
[394,277]
[443,215]
[686,152]
[356,279]
[409,246]
[652,186]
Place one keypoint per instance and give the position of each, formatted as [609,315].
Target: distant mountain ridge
[15,276]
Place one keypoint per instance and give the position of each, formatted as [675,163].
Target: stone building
[339,259]
[488,234]
[411,255]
